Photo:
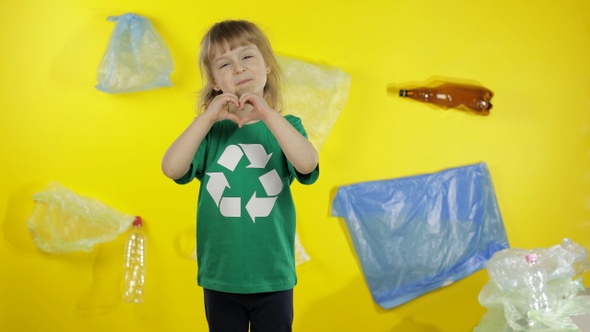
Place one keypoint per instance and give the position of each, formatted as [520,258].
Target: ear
[215,87]
[267,70]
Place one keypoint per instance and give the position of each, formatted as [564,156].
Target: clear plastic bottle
[135,252]
[536,281]
[451,95]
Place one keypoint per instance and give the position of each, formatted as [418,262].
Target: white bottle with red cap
[135,252]
[536,280]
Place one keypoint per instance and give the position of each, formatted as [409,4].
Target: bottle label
[441,96]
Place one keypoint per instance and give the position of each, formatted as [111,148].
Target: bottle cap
[137,222]
[403,93]
[531,258]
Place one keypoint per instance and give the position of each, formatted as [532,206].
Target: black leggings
[262,312]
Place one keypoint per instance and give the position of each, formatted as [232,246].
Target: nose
[240,69]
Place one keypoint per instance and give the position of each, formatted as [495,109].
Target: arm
[179,156]
[298,150]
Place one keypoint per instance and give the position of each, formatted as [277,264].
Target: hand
[259,111]
[219,107]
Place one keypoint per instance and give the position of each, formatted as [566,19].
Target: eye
[225,64]
[246,57]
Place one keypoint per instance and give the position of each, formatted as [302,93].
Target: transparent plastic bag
[506,295]
[315,93]
[136,59]
[301,255]
[63,221]
[415,234]
[561,262]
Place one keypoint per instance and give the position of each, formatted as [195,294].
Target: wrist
[270,114]
[205,117]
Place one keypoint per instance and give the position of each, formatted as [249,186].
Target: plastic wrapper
[561,262]
[315,93]
[506,295]
[63,221]
[301,255]
[136,58]
[416,234]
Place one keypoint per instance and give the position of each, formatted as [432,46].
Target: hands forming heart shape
[241,110]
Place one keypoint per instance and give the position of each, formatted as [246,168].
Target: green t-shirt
[245,211]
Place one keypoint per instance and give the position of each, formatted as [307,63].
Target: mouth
[242,82]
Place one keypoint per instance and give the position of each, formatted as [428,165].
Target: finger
[225,97]
[233,99]
[236,103]
[230,100]
[250,102]
[247,98]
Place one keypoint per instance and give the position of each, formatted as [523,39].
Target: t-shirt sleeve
[301,178]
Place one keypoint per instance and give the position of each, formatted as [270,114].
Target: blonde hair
[231,34]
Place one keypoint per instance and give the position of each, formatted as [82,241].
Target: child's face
[240,70]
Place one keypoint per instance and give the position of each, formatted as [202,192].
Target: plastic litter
[135,263]
[136,59]
[315,93]
[507,293]
[63,221]
[419,233]
[536,282]
[301,255]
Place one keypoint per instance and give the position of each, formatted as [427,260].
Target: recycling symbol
[257,206]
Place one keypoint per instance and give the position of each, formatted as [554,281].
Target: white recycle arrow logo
[271,182]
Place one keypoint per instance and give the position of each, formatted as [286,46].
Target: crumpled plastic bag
[301,255]
[507,268]
[415,234]
[136,59]
[506,295]
[64,222]
[315,93]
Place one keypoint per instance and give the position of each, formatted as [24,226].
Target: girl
[246,155]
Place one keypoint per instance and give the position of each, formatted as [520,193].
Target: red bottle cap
[137,222]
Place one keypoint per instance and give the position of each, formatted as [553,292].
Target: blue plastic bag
[415,234]
[136,59]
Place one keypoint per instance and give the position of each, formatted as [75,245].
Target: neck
[242,113]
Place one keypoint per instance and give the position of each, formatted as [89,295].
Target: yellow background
[55,126]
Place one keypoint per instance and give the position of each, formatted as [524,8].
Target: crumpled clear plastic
[316,93]
[301,255]
[506,295]
[136,58]
[64,222]
[419,233]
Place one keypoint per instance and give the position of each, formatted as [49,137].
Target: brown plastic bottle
[453,95]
